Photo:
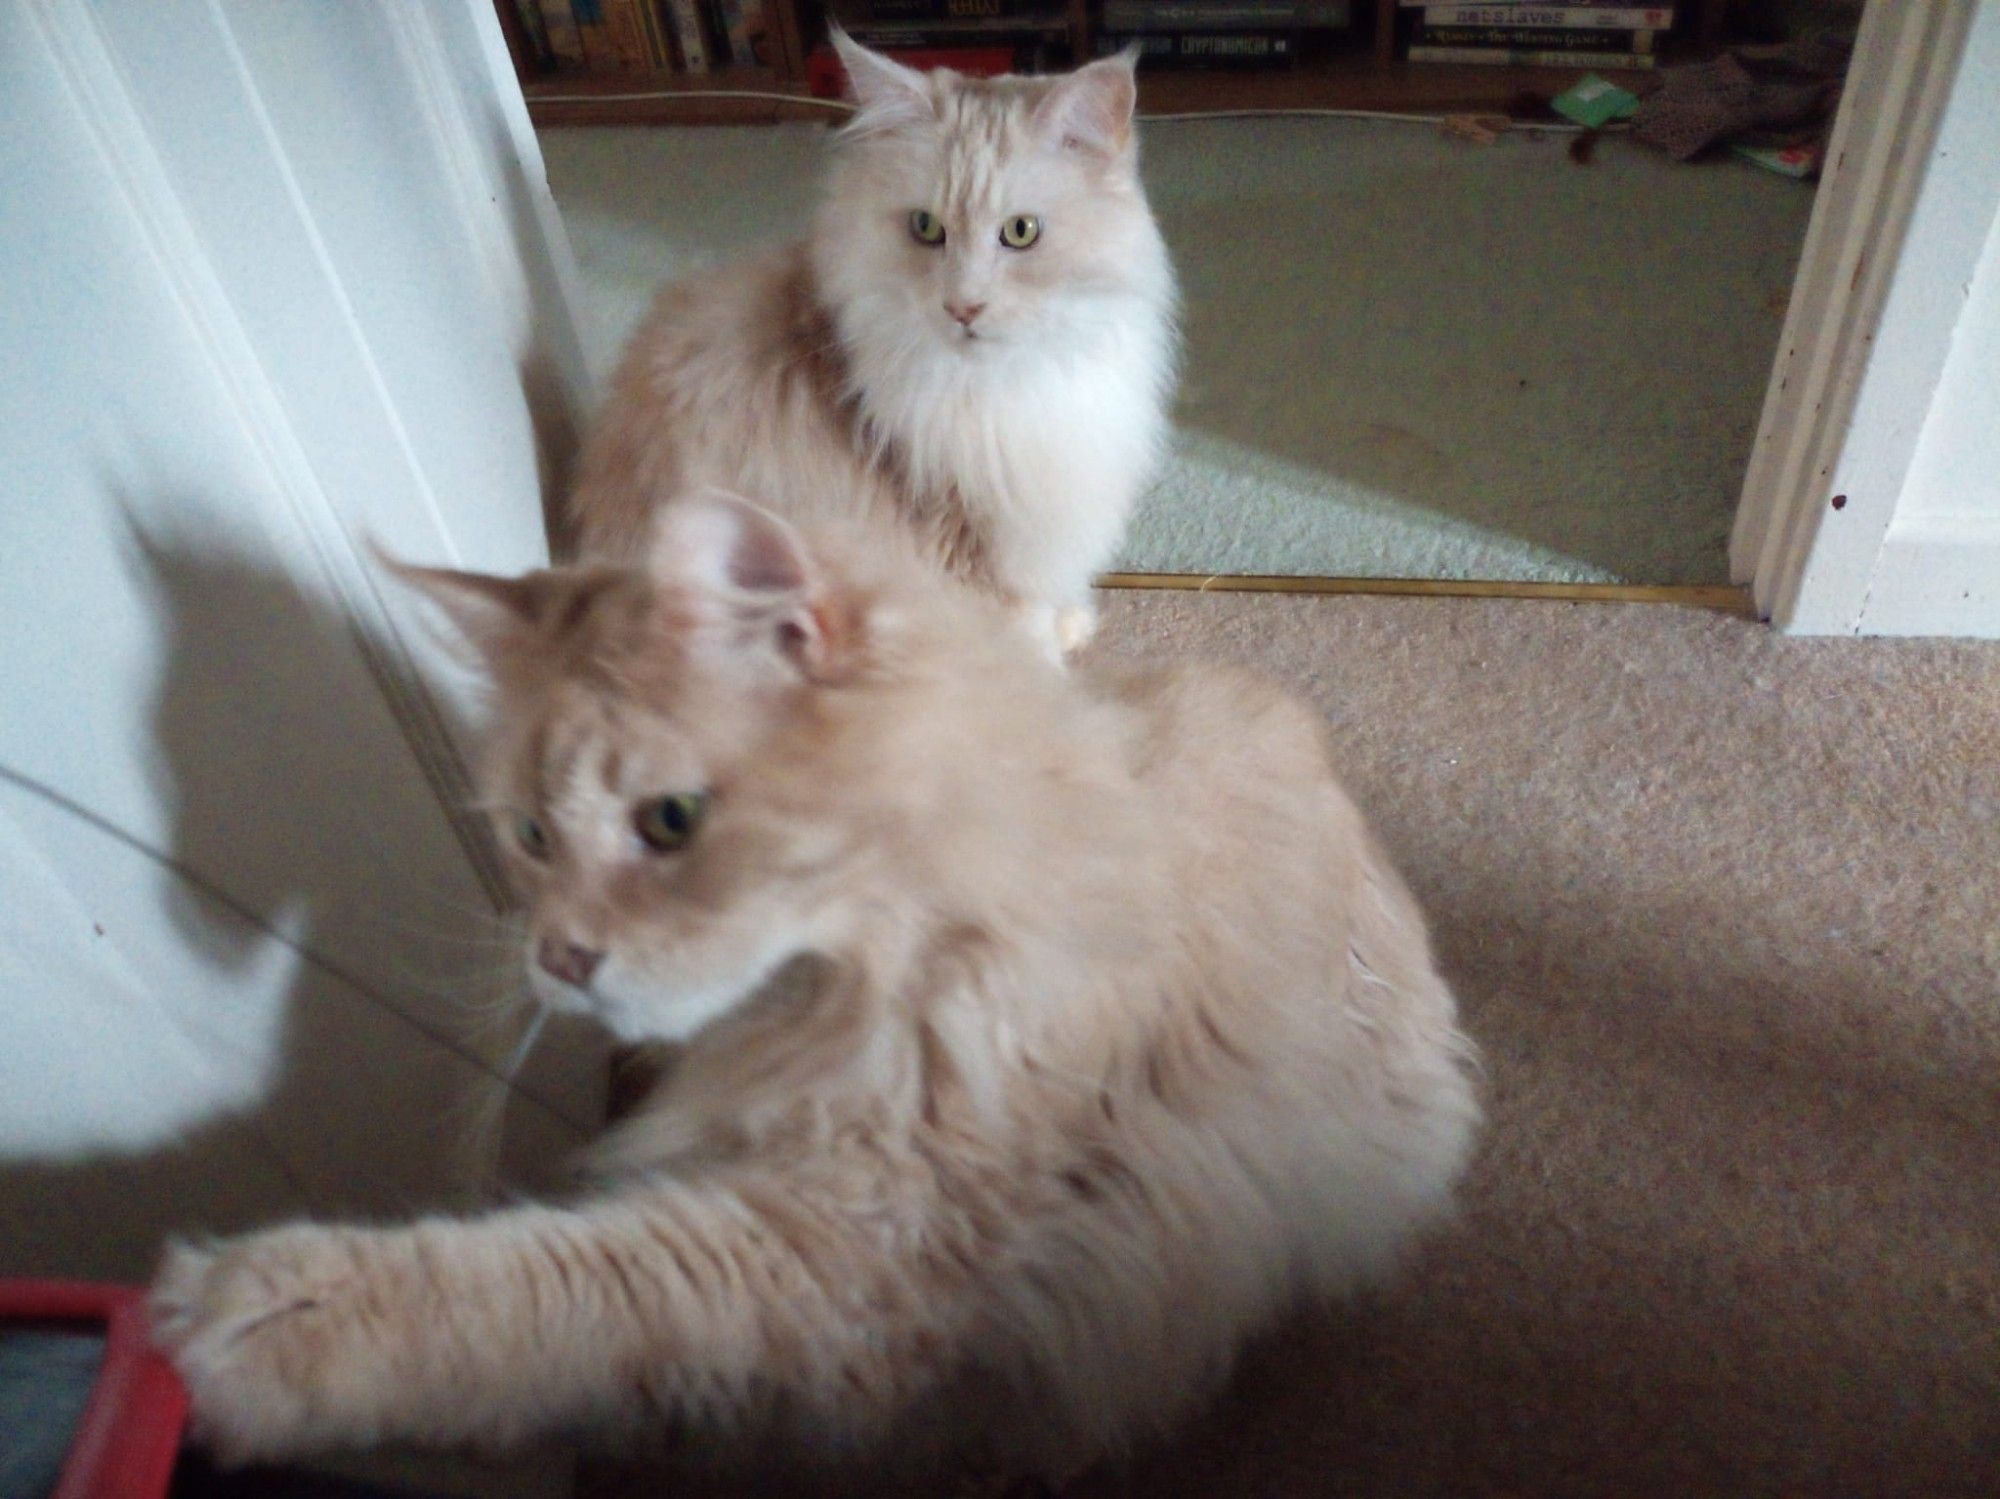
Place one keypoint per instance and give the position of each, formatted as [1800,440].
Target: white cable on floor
[694,93]
[1557,126]
[1563,127]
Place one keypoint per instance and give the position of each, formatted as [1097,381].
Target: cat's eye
[531,835]
[668,823]
[1020,231]
[925,227]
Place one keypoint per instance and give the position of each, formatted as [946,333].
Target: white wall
[272,276]
[1939,568]
[1871,504]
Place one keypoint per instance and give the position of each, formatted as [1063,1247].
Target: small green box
[1595,102]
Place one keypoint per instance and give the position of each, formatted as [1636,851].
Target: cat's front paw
[261,1329]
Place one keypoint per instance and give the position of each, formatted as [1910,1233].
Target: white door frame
[1909,195]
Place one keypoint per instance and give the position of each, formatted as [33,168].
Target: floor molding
[1726,599]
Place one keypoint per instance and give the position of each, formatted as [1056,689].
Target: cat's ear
[1091,109]
[889,94]
[490,617]
[749,580]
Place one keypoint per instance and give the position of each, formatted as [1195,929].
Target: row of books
[1199,33]
[1516,31]
[1217,33]
[647,36]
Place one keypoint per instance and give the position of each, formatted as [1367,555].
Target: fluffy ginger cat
[976,338]
[1046,1035]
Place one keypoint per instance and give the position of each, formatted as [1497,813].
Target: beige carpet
[1722,910]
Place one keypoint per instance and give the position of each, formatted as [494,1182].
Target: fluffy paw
[259,1328]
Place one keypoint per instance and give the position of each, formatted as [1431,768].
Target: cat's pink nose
[963,313]
[567,961]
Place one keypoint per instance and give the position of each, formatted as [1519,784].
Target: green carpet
[1407,357]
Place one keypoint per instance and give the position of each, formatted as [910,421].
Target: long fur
[829,377]
[1045,1036]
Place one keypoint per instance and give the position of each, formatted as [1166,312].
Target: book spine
[1326,15]
[688,38]
[599,56]
[1234,49]
[1601,17]
[659,41]
[1536,38]
[919,12]
[1501,57]
[565,41]
[537,32]
[1197,15]
[763,37]
[1226,15]
[934,34]
[626,31]
[732,34]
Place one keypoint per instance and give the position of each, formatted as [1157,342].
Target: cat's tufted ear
[491,617]
[889,95]
[749,580]
[1091,109]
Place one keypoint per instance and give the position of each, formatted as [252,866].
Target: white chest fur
[1046,448]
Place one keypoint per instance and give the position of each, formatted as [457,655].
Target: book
[565,41]
[735,43]
[983,32]
[659,35]
[689,39]
[826,79]
[1224,15]
[918,12]
[625,31]
[1125,16]
[1536,38]
[536,30]
[1206,49]
[1786,161]
[1607,17]
[600,55]
[1501,57]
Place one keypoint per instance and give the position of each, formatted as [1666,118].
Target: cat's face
[979,216]
[656,774]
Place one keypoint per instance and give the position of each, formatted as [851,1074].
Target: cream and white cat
[1104,1036]
[977,339]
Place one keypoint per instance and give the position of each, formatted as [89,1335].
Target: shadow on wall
[330,1009]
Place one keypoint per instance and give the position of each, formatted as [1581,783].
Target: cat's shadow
[361,1018]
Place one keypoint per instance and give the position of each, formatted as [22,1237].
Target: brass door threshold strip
[1726,599]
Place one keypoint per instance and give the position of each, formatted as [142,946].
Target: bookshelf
[1353,70]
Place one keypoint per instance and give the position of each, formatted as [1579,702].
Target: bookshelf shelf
[1359,71]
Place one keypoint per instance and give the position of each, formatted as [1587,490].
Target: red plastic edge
[126,1444]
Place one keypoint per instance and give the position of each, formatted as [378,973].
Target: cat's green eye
[1020,231]
[532,837]
[925,228]
[668,823]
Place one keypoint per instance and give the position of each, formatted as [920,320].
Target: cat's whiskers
[475,1120]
